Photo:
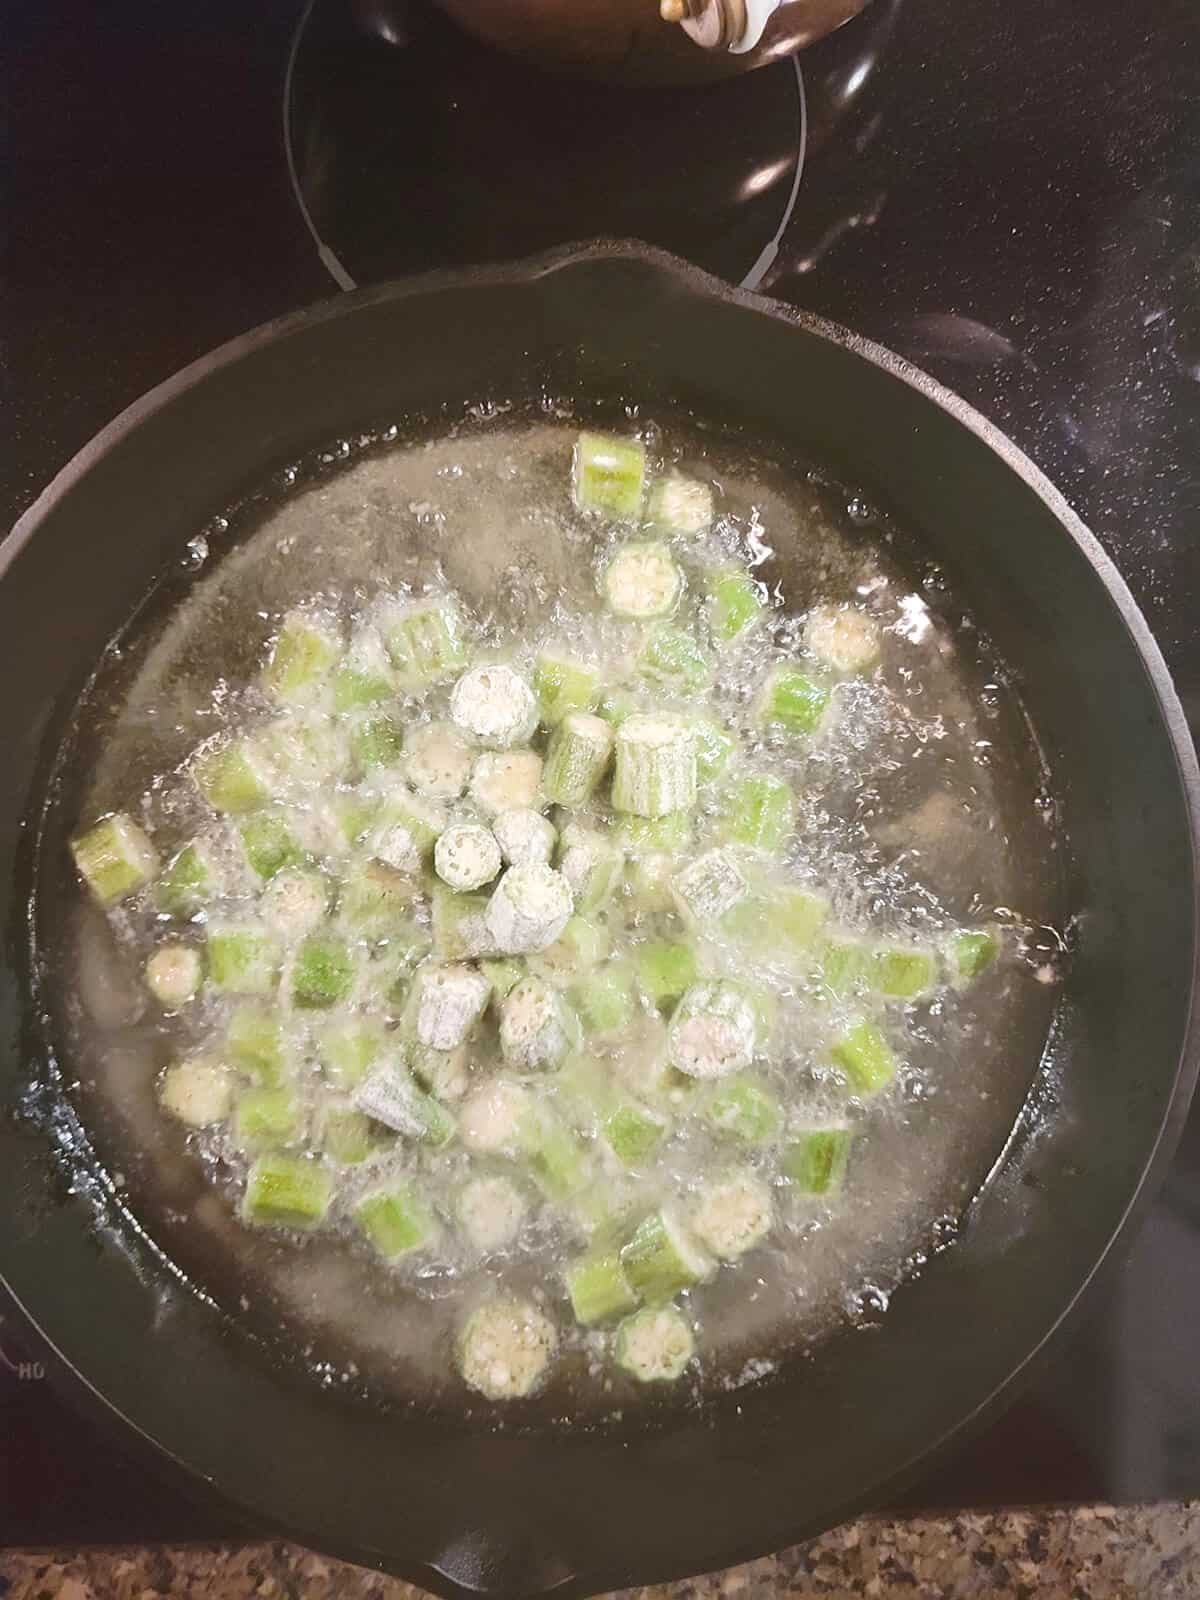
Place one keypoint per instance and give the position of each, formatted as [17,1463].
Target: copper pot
[651,41]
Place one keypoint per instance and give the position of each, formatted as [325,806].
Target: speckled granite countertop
[1085,1553]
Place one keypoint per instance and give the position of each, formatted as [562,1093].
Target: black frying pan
[457,1510]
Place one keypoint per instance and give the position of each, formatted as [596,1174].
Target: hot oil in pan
[926,808]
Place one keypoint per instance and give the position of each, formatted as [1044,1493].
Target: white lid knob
[735,25]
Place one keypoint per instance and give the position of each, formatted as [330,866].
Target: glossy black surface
[1010,198]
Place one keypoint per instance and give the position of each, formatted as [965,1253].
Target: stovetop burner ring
[489,159]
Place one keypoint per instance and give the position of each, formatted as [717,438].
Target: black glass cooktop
[1008,192]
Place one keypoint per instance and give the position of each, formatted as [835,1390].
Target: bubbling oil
[925,806]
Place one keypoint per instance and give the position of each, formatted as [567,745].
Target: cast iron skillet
[575,1513]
